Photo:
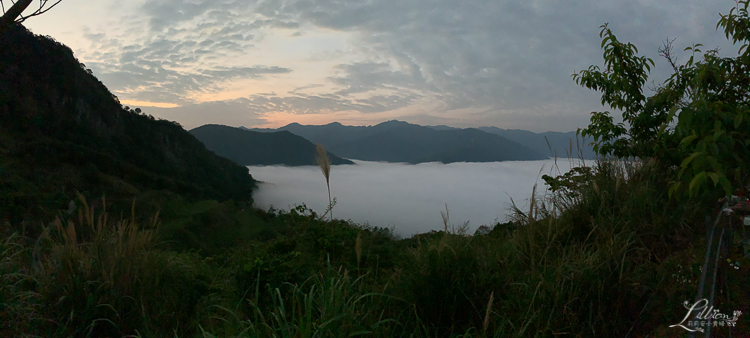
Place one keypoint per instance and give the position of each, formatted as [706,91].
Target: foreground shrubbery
[593,258]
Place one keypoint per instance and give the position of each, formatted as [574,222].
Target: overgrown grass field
[601,252]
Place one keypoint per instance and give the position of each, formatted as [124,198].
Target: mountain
[328,135]
[442,127]
[564,144]
[255,148]
[398,141]
[62,130]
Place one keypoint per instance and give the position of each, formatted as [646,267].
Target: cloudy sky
[463,63]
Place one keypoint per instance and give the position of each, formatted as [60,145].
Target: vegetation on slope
[613,256]
[61,130]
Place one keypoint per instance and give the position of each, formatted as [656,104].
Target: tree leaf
[726,185]
[714,177]
[689,139]
[689,159]
[696,182]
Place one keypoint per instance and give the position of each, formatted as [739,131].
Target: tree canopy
[698,120]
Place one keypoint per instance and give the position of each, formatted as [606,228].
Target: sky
[462,63]
[409,197]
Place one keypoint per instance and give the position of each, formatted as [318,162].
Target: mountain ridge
[246,147]
[547,144]
[399,141]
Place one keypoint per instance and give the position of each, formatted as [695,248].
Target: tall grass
[583,259]
[19,305]
[591,256]
[600,251]
[326,305]
[325,167]
[101,277]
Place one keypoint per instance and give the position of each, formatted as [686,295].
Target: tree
[698,121]
[621,83]
[14,13]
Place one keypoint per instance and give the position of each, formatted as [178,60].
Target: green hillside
[62,130]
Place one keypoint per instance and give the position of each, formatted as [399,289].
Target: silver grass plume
[325,166]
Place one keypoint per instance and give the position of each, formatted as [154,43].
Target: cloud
[245,72]
[501,55]
[499,62]
[370,76]
[231,112]
[300,89]
[165,69]
[174,50]
[165,13]
[407,197]
[316,104]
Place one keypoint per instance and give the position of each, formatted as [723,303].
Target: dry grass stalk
[446,217]
[531,225]
[358,248]
[550,237]
[461,230]
[112,248]
[325,166]
[487,313]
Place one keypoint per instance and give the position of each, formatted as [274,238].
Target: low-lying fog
[408,197]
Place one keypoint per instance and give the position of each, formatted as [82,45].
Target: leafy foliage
[621,83]
[713,129]
[698,119]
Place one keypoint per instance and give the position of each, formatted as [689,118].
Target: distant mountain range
[560,144]
[397,141]
[246,147]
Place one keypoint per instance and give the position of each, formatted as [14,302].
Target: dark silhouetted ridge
[62,130]
[560,144]
[255,148]
[399,141]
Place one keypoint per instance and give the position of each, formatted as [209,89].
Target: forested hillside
[62,130]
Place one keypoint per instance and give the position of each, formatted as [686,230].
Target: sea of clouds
[408,197]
